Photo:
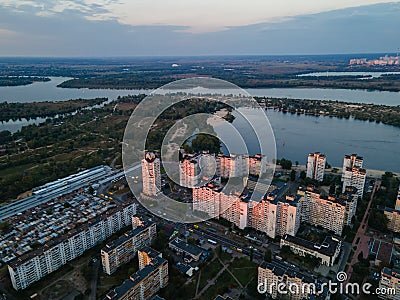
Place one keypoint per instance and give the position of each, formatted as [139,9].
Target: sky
[188,27]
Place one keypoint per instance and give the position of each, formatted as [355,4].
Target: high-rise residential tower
[151,174]
[316,166]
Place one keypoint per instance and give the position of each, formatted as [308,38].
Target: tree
[303,175]
[293,175]
[268,255]
[285,163]
[332,189]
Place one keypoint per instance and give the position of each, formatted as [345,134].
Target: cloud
[196,16]
[69,31]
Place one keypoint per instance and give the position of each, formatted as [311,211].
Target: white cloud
[196,16]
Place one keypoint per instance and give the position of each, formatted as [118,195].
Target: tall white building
[398,200]
[352,161]
[34,265]
[354,177]
[276,218]
[207,199]
[240,165]
[151,174]
[196,168]
[316,166]
[350,198]
[327,212]
[235,209]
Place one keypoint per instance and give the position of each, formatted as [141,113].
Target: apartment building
[354,177]
[235,209]
[276,217]
[123,249]
[264,216]
[240,165]
[350,198]
[325,211]
[144,284]
[151,174]
[398,200]
[390,281]
[34,265]
[327,252]
[196,168]
[316,166]
[293,284]
[207,199]
[352,161]
[393,216]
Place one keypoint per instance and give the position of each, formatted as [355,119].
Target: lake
[298,135]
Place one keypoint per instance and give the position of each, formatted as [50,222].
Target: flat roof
[16,262]
[109,247]
[328,246]
[186,247]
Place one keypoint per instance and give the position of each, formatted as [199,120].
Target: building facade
[390,281]
[316,166]
[196,169]
[325,211]
[352,161]
[34,265]
[123,249]
[276,217]
[151,174]
[354,177]
[144,284]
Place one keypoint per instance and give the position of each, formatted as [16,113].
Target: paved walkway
[361,240]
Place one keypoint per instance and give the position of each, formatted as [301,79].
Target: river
[298,135]
[48,91]
[295,135]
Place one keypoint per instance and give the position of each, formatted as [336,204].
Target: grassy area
[243,269]
[209,272]
[223,284]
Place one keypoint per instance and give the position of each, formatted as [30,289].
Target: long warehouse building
[56,189]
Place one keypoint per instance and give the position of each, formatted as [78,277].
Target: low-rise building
[327,252]
[124,249]
[191,250]
[382,251]
[279,279]
[144,284]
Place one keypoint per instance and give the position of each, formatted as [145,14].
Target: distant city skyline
[160,28]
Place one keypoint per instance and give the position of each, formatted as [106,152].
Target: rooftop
[328,246]
[186,247]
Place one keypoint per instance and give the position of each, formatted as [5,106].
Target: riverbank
[385,114]
[371,173]
[32,110]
